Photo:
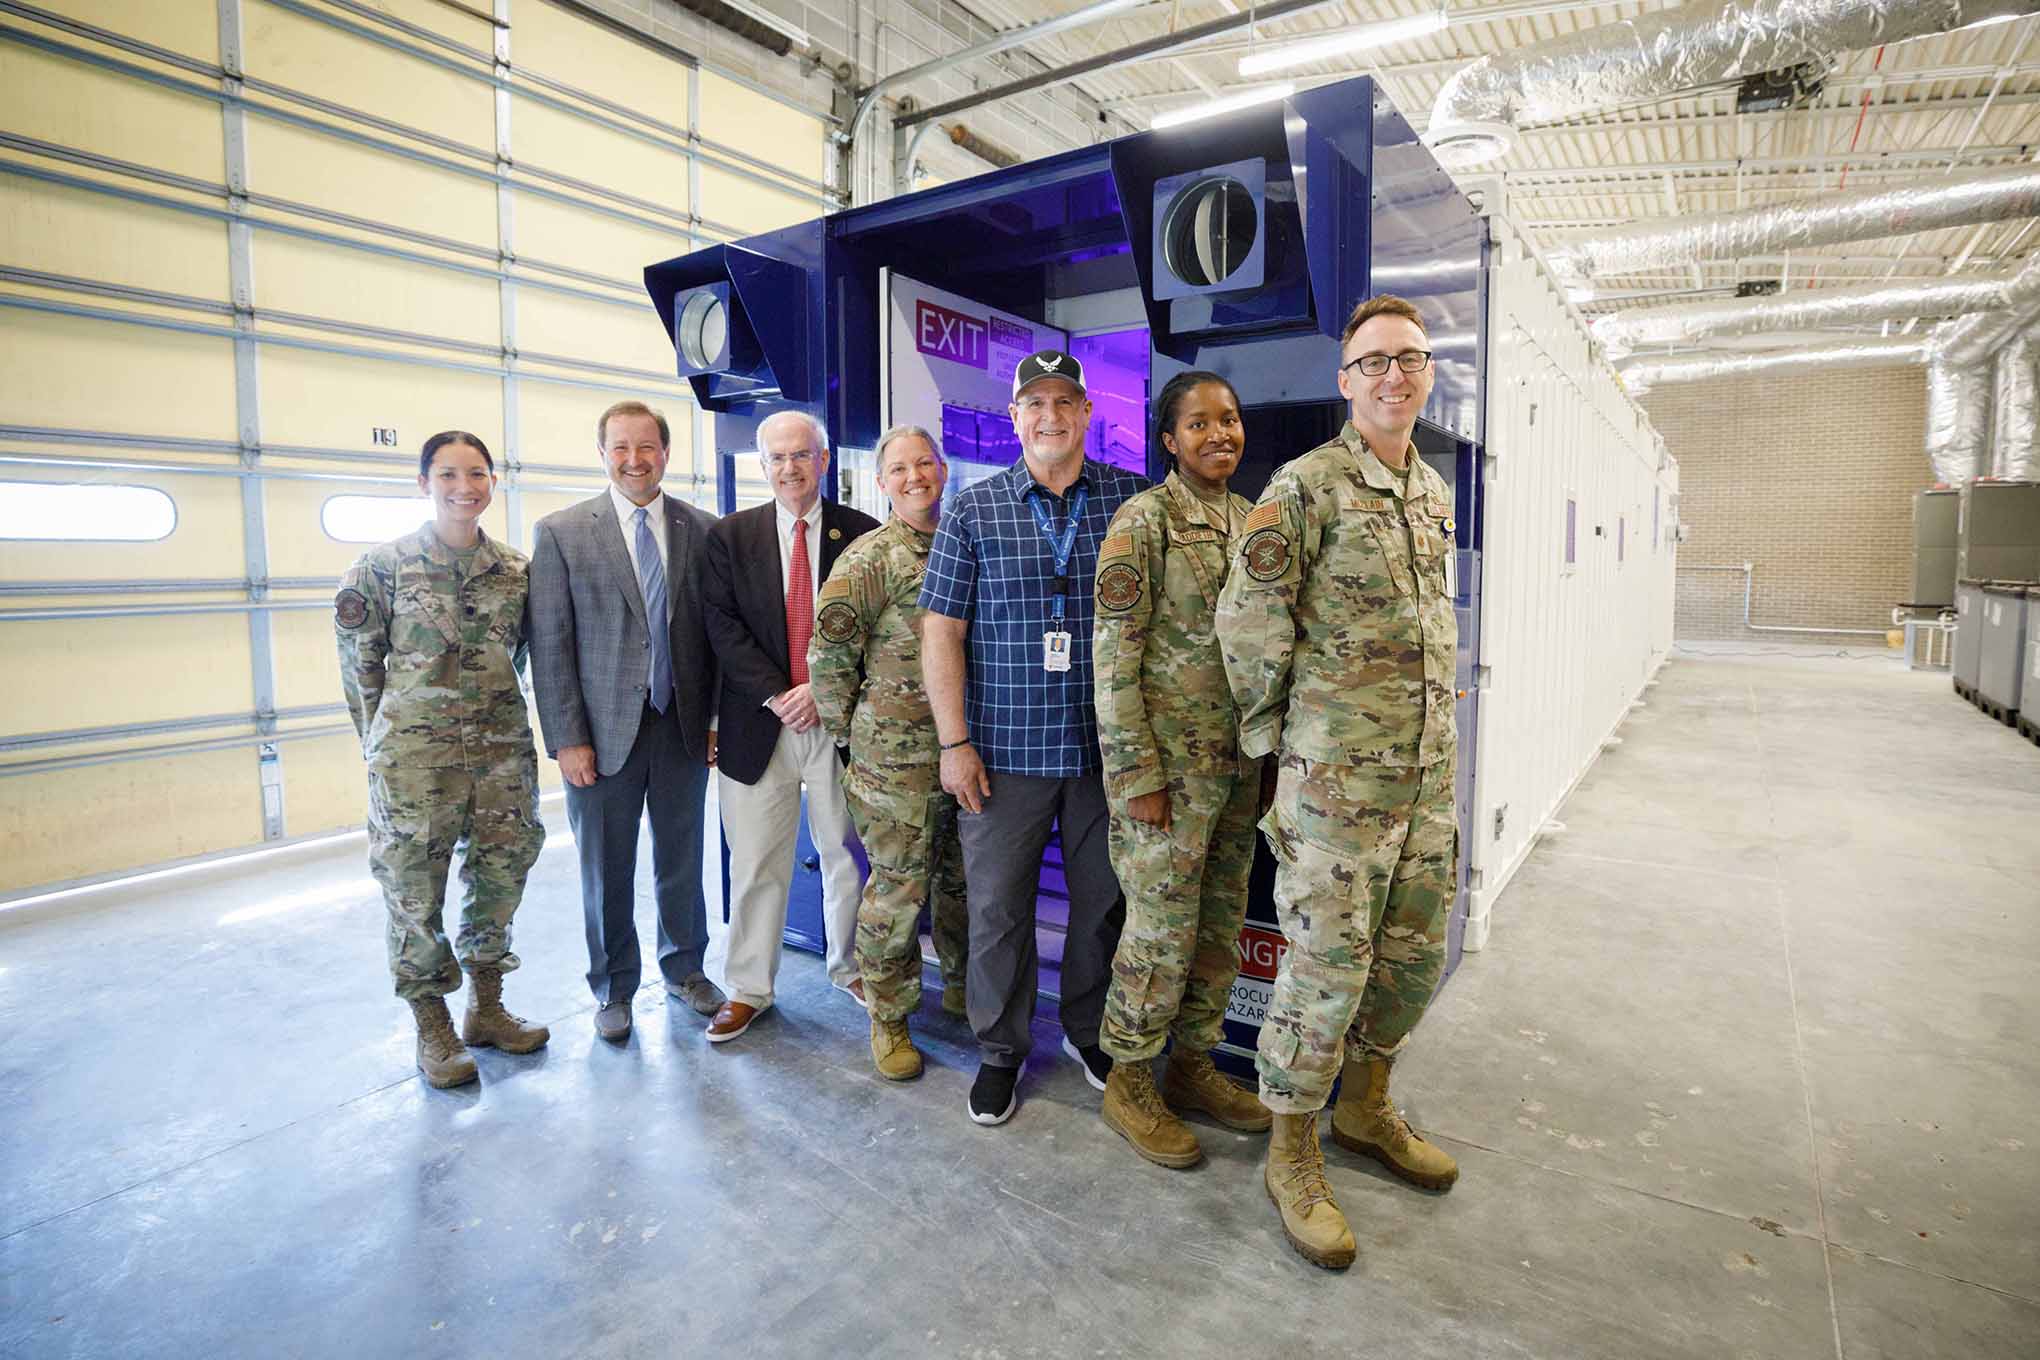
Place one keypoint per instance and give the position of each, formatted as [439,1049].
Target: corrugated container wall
[1577,576]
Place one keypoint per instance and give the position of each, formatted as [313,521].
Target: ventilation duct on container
[1857,215]
[1663,53]
[1829,308]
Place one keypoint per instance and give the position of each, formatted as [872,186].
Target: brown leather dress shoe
[733,1019]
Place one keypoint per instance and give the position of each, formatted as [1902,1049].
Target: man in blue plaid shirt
[1006,654]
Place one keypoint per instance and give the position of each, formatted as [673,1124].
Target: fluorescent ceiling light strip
[1212,108]
[772,21]
[1340,44]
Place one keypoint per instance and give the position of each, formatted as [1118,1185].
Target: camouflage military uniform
[431,644]
[864,667]
[1338,635]
[1166,721]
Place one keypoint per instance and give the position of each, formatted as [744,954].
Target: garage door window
[55,511]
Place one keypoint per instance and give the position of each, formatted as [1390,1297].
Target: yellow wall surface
[155,387]
[78,374]
[88,236]
[55,99]
[97,818]
[338,284]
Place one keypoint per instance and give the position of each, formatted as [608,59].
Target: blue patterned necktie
[651,575]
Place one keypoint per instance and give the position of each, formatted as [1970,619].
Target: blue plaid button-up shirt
[992,566]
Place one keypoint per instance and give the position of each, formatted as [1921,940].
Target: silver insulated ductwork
[1641,375]
[2011,409]
[1858,215]
[1661,53]
[1626,332]
[1958,420]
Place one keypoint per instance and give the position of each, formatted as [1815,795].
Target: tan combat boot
[488,1025]
[1133,1109]
[1366,1121]
[442,1057]
[1295,1177]
[1192,1083]
[952,1000]
[893,1051]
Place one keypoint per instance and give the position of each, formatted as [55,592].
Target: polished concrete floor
[1748,1069]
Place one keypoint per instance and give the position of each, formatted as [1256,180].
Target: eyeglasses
[780,460]
[1410,361]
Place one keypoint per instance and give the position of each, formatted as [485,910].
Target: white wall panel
[1566,648]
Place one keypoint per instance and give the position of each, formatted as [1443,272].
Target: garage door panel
[328,172]
[317,59]
[81,374]
[191,29]
[552,323]
[100,819]
[337,284]
[733,201]
[56,100]
[761,127]
[85,235]
[197,664]
[557,141]
[335,402]
[568,48]
[205,543]
[561,233]
[325,785]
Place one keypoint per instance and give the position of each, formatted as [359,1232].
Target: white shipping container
[1578,564]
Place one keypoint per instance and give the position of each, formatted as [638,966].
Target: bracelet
[952,745]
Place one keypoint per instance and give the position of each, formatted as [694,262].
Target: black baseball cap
[1047,363]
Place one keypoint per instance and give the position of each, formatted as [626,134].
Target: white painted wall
[1564,649]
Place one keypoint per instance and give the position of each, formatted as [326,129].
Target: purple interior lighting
[1116,379]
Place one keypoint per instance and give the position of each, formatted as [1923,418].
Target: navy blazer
[744,608]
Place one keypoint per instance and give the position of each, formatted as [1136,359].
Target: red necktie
[800,605]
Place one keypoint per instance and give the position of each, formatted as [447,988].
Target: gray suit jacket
[589,645]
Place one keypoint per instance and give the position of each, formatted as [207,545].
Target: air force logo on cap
[1047,363]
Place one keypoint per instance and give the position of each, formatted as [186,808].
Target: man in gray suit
[625,707]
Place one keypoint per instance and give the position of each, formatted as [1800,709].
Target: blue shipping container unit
[1240,244]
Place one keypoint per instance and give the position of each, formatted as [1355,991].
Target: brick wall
[1811,478]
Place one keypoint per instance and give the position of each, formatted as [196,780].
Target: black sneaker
[992,1100]
[1092,1058]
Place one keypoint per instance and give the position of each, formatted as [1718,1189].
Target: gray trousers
[1002,849]
[661,779]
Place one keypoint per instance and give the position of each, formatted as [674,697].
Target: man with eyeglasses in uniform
[764,567]
[1337,629]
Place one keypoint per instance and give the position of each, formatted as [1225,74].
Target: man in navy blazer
[764,567]
[626,687]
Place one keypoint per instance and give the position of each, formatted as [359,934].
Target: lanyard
[1060,544]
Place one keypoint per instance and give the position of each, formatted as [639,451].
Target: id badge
[1055,651]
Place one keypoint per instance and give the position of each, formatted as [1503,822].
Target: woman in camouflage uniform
[431,630]
[1183,801]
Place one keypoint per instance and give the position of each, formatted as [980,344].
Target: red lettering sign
[1261,951]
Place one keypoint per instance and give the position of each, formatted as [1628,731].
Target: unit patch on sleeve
[837,622]
[1266,554]
[350,608]
[1119,587]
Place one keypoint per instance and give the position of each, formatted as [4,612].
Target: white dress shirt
[655,516]
[813,519]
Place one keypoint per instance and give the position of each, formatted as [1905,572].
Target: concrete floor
[1748,1069]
